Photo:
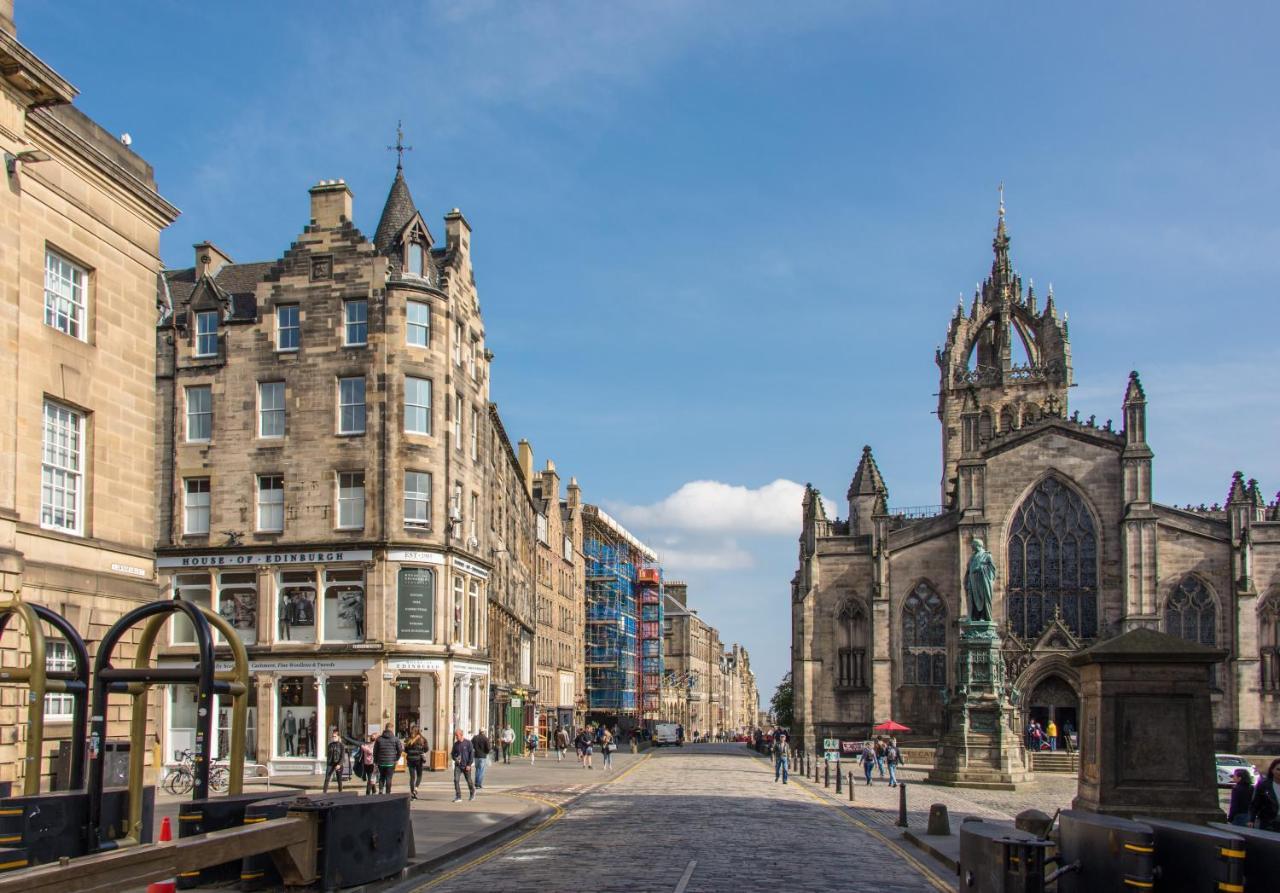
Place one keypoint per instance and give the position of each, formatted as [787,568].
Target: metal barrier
[215,814]
[1195,857]
[40,680]
[137,680]
[995,859]
[1099,852]
[1261,856]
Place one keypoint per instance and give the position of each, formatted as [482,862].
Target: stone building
[741,697]
[323,435]
[561,570]
[1065,504]
[692,663]
[513,691]
[79,256]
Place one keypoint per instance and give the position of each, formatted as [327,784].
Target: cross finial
[1001,191]
[399,148]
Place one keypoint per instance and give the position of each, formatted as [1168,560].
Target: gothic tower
[983,393]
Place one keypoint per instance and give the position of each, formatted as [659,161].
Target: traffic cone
[171,884]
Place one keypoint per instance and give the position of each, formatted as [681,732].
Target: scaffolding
[612,625]
[649,586]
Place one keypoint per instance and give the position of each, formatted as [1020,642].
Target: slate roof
[396,213]
[237,280]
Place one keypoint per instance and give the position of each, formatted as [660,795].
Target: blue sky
[718,241]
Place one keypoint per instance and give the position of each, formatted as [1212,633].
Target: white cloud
[714,555]
[716,506]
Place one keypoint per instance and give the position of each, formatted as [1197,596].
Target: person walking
[1051,730]
[607,748]
[480,747]
[891,760]
[1241,799]
[1264,811]
[464,758]
[531,742]
[580,744]
[366,765]
[562,743]
[415,754]
[780,757]
[508,739]
[868,759]
[880,756]
[386,753]
[334,756]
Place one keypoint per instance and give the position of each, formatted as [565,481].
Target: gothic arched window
[1053,563]
[1191,613]
[1269,643]
[924,638]
[851,642]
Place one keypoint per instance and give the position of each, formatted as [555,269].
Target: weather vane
[399,148]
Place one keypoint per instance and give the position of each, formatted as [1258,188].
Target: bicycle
[182,778]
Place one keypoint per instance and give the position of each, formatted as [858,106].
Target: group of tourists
[1045,737]
[1256,806]
[880,754]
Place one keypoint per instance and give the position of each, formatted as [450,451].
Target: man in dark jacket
[464,758]
[386,753]
[334,754]
[480,749]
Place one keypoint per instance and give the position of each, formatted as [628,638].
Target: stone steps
[1055,761]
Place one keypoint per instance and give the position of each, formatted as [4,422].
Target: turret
[868,495]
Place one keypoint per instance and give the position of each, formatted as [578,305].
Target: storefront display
[296,607]
[238,603]
[296,717]
[344,606]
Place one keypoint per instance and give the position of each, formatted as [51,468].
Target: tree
[782,705]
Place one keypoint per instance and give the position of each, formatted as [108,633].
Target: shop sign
[461,666]
[415,603]
[421,664]
[474,569]
[300,665]
[129,569]
[258,559]
[417,555]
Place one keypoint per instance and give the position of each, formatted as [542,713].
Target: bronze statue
[979,581]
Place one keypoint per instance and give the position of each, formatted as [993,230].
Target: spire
[867,480]
[396,213]
[1134,392]
[1000,272]
[1237,491]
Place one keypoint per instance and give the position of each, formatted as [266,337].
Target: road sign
[830,743]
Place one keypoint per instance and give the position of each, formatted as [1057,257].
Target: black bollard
[837,778]
[902,805]
[850,785]
[826,774]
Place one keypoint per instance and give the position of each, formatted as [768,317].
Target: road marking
[688,873]
[838,807]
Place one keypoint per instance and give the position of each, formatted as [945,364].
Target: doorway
[1054,700]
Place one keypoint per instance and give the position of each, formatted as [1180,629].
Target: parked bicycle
[181,778]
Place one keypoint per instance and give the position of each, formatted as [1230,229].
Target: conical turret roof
[867,480]
[396,213]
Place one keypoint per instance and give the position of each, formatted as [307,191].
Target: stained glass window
[924,638]
[1053,563]
[851,657]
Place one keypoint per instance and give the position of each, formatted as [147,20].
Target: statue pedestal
[982,746]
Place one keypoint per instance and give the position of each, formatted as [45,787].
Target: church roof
[867,480]
[1142,645]
[396,213]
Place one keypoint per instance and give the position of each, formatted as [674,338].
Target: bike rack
[40,681]
[137,681]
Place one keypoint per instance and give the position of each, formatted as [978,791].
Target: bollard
[850,785]
[902,804]
[837,778]
[939,821]
[826,774]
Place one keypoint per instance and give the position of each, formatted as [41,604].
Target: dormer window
[417,260]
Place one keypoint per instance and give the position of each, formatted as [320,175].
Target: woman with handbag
[368,773]
[607,747]
[415,754]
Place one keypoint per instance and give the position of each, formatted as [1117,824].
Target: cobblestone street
[705,818]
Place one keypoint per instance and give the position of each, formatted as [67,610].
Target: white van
[665,734]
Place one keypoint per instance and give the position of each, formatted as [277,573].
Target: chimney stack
[330,204]
[525,457]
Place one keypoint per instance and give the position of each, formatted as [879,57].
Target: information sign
[415,603]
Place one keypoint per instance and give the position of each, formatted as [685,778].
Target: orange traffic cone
[171,884]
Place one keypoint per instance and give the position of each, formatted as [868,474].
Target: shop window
[222,744]
[182,721]
[344,605]
[344,707]
[192,588]
[296,607]
[296,717]
[238,603]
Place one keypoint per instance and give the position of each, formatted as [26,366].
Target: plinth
[982,746]
[1146,732]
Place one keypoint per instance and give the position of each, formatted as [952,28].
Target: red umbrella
[890,726]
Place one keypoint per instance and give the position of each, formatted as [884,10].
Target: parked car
[1228,763]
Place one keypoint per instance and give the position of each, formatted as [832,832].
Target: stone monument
[982,745]
[1146,730]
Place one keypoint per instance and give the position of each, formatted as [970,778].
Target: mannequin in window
[286,615]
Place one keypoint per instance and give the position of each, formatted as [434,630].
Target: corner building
[1083,552]
[79,256]
[323,425]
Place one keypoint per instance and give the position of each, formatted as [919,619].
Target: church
[1082,551]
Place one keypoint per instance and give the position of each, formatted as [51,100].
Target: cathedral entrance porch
[1055,700]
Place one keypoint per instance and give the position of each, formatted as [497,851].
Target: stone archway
[1054,699]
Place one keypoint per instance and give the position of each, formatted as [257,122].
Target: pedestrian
[607,748]
[880,756]
[508,739]
[868,759]
[581,745]
[463,759]
[415,754]
[480,747]
[1069,736]
[891,760]
[531,742]
[334,754]
[562,743]
[386,753]
[1264,811]
[780,756]
[366,762]
[1051,731]
[1241,798]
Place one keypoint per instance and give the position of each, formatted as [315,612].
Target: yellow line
[546,823]
[911,860]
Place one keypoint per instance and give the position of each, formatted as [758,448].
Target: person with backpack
[335,755]
[891,760]
[562,743]
[386,753]
[480,746]
[367,771]
[868,759]
[531,742]
[415,755]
